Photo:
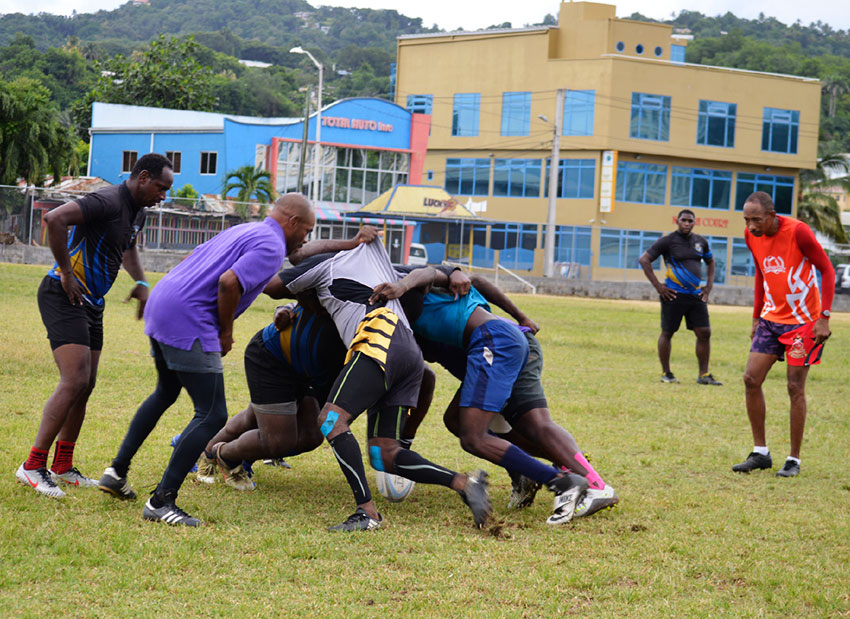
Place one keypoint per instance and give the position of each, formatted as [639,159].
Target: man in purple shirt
[189,319]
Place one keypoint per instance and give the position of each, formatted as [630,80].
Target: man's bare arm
[366,234]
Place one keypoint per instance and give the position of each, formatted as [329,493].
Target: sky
[476,14]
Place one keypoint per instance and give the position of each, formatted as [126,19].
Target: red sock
[63,457]
[37,459]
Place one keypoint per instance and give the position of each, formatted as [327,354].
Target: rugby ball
[393,487]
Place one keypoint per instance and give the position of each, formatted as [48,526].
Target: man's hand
[72,288]
[366,234]
[387,292]
[140,292]
[528,322]
[283,317]
[755,326]
[821,331]
[664,292]
[225,338]
[706,291]
[459,283]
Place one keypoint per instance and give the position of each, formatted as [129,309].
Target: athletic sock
[414,467]
[63,457]
[515,459]
[761,449]
[347,452]
[121,469]
[36,460]
[793,459]
[592,477]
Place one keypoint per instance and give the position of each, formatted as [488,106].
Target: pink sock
[592,476]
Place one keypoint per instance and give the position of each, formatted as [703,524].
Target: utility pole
[303,156]
[549,249]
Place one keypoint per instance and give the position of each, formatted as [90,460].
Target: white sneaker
[40,481]
[596,500]
[73,477]
[569,489]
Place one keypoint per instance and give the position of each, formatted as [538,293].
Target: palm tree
[249,182]
[835,85]
[815,204]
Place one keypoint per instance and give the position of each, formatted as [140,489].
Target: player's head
[685,220]
[760,214]
[296,217]
[150,179]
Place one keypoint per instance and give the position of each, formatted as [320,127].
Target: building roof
[432,35]
[115,116]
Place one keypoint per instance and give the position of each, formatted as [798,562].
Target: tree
[186,196]
[815,204]
[835,85]
[249,182]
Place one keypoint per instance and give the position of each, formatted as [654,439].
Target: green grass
[689,538]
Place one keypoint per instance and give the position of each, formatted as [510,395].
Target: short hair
[763,199]
[152,163]
[685,211]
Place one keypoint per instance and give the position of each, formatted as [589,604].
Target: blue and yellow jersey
[111,224]
[310,345]
[683,256]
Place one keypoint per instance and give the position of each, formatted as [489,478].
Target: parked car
[418,255]
[842,279]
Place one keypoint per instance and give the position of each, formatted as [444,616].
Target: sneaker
[116,485]
[754,461]
[206,469]
[569,489]
[595,500]
[358,521]
[476,497]
[277,462]
[235,477]
[668,377]
[40,480]
[169,513]
[523,491]
[708,379]
[791,469]
[73,477]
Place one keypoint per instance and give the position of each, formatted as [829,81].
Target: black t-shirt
[682,255]
[111,223]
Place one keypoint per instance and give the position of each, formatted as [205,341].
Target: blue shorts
[496,353]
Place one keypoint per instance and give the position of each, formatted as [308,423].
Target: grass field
[689,538]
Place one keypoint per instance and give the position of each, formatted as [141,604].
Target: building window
[518,178]
[468,177]
[578,112]
[650,118]
[420,104]
[742,259]
[620,249]
[639,48]
[700,188]
[572,244]
[174,156]
[620,46]
[516,113]
[677,53]
[716,123]
[465,114]
[128,160]
[779,130]
[516,244]
[780,188]
[209,162]
[430,175]
[641,182]
[659,50]
[576,178]
[719,248]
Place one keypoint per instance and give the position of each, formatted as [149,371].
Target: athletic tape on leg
[375,458]
[328,425]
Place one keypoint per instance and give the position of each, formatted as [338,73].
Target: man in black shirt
[90,238]
[681,295]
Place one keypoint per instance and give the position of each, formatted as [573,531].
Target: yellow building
[675,136]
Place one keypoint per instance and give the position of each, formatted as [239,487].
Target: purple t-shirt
[183,306]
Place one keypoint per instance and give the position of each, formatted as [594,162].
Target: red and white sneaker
[73,477]
[39,480]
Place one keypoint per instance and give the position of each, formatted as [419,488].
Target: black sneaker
[791,469]
[116,485]
[754,461]
[476,497]
[523,491]
[569,489]
[358,521]
[708,379]
[667,377]
[169,513]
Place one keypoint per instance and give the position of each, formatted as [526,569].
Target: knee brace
[375,458]
[330,422]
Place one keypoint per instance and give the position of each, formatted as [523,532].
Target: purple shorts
[766,338]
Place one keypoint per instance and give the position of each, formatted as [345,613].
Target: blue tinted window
[701,188]
[468,177]
[779,130]
[620,46]
[516,177]
[716,123]
[742,259]
[659,50]
[465,112]
[719,247]
[572,244]
[516,244]
[620,249]
[677,53]
[639,48]
[578,112]
[420,104]
[576,178]
[641,182]
[780,188]
[516,113]
[650,118]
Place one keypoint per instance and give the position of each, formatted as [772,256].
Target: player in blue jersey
[681,294]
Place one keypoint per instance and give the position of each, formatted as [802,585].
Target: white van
[418,255]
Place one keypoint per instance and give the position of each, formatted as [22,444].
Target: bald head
[296,217]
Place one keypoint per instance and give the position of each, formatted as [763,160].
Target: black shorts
[691,306]
[527,393]
[269,380]
[67,323]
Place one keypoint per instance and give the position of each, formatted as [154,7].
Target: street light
[317,148]
[549,245]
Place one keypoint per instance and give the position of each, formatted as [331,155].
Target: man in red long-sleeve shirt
[789,318]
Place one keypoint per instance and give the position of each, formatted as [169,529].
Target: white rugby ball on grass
[393,487]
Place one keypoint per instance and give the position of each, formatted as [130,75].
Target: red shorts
[800,346]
